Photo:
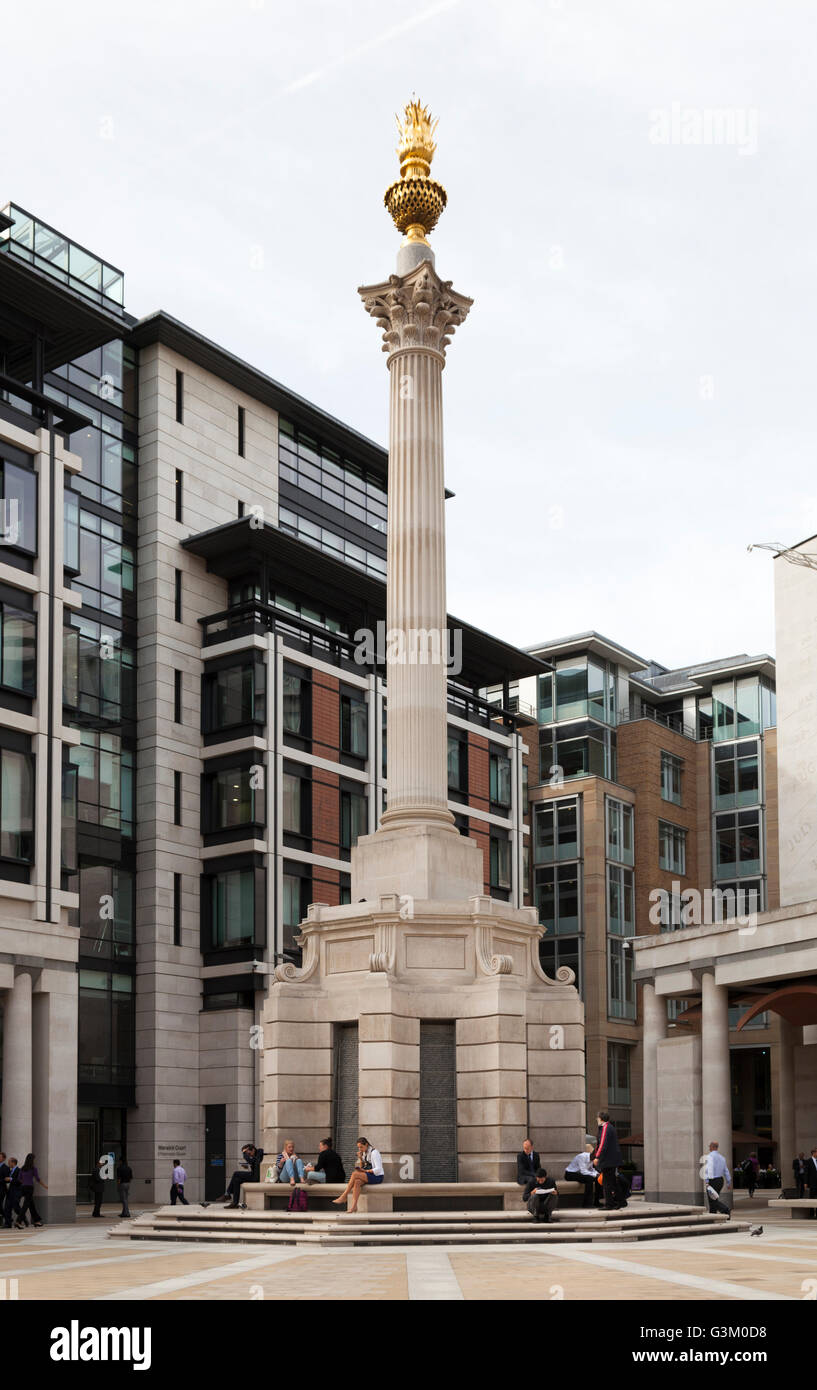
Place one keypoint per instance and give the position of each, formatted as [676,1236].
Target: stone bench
[408,1196]
[800,1208]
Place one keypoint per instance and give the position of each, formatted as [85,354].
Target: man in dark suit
[527,1163]
[799,1168]
[811,1169]
[252,1173]
[607,1159]
[540,1195]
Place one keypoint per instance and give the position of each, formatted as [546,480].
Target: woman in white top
[367,1172]
[580,1169]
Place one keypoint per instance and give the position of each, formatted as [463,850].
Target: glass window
[70,544]
[231,908]
[554,952]
[297,704]
[620,986]
[297,804]
[106,911]
[736,774]
[297,892]
[235,695]
[620,901]
[500,779]
[671,848]
[545,714]
[16,806]
[557,895]
[571,688]
[737,844]
[457,763]
[671,770]
[500,863]
[353,818]
[18,649]
[106,1027]
[104,781]
[18,516]
[742,898]
[556,831]
[354,725]
[618,1073]
[619,831]
[232,798]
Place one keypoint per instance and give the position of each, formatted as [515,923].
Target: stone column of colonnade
[18,1069]
[655,1029]
[788,1038]
[716,1092]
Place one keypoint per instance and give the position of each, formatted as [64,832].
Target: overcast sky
[631,402]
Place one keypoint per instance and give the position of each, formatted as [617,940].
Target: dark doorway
[438,1102]
[215,1144]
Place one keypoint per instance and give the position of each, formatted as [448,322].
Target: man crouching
[541,1196]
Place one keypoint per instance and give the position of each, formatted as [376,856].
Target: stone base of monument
[328,1226]
[382,970]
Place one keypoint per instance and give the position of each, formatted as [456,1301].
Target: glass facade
[579,686]
[586,749]
[738,844]
[741,707]
[736,774]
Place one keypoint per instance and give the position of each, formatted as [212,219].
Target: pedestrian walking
[177,1186]
[98,1186]
[28,1177]
[607,1159]
[716,1173]
[124,1173]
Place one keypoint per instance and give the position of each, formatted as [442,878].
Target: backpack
[297,1200]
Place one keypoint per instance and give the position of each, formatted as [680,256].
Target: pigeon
[755,1230]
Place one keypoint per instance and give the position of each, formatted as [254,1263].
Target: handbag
[298,1200]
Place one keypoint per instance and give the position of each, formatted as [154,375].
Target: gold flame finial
[416,148]
[416,202]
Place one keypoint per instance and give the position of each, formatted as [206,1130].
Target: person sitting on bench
[540,1195]
[580,1169]
[368,1171]
[329,1167]
[251,1172]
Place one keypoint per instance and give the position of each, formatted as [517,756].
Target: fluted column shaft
[418,313]
[415,606]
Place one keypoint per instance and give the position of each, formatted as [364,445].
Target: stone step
[405,1228]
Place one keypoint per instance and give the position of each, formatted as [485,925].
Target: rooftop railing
[246,619]
[31,240]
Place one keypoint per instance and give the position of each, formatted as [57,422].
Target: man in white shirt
[367,1172]
[715,1171]
[580,1169]
[177,1186]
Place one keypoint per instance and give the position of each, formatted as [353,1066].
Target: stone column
[418,313]
[17,1069]
[418,852]
[716,1094]
[784,1121]
[54,1054]
[655,1029]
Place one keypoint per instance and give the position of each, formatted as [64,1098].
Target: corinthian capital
[417,310]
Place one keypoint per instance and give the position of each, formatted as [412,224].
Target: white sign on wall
[169,1152]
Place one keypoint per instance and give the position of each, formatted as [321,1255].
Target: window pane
[16,806]
[19,517]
